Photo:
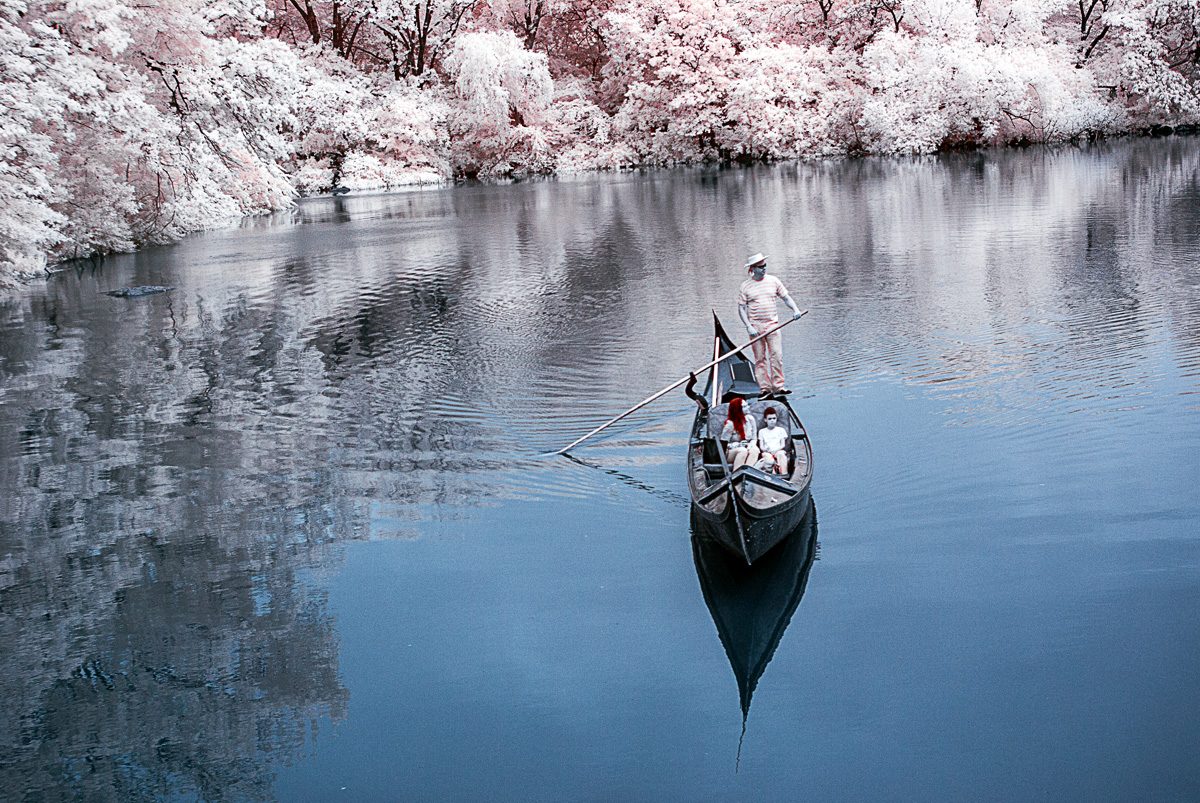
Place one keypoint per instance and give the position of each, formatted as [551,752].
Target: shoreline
[17,284]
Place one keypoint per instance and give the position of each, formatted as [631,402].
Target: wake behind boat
[747,510]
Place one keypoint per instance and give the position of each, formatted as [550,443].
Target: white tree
[419,33]
[524,17]
[670,67]
[784,102]
[131,124]
[502,94]
[1157,57]
[33,79]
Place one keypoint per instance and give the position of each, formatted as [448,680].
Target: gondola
[748,511]
[752,606]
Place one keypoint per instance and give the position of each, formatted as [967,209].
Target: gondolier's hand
[750,330]
[796,314]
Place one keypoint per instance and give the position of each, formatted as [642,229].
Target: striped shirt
[759,298]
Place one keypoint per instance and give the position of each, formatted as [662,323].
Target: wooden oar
[676,384]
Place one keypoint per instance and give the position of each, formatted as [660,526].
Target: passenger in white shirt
[772,440]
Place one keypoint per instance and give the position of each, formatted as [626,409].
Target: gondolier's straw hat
[754,260]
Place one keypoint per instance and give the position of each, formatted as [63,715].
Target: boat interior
[758,488]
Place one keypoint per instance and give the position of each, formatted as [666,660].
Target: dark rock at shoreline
[1159,131]
[138,292]
[340,190]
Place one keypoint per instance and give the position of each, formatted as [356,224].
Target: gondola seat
[716,415]
[716,421]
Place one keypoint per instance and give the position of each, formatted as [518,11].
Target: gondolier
[757,308]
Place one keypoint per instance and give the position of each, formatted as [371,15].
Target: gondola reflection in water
[752,606]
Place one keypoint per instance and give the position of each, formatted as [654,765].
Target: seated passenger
[772,440]
[739,432]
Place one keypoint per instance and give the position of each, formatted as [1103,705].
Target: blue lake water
[289,531]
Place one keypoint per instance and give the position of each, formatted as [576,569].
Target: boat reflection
[753,605]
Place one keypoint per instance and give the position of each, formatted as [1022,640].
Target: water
[289,530]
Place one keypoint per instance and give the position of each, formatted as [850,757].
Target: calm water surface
[289,531]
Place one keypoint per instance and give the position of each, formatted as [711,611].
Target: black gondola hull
[763,531]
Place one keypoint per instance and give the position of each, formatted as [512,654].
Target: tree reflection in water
[148,668]
[162,606]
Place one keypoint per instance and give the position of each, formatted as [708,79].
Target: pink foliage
[126,123]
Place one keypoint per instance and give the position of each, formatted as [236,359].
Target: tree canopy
[131,123]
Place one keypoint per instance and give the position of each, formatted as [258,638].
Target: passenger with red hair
[739,432]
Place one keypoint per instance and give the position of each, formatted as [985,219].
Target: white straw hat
[754,260]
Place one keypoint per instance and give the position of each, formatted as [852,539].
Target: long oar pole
[676,384]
